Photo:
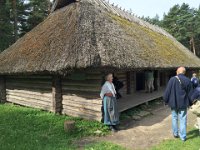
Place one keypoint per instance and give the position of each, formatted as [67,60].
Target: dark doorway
[172,73]
[162,79]
[140,81]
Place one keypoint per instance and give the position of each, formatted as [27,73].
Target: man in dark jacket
[196,93]
[177,96]
[194,80]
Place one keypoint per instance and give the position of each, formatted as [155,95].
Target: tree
[6,30]
[154,20]
[170,21]
[181,22]
[37,11]
[197,30]
[17,17]
[14,11]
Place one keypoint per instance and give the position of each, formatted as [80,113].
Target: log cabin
[59,66]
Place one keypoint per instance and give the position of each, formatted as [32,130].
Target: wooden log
[80,89]
[15,91]
[82,109]
[56,94]
[81,84]
[98,78]
[29,81]
[69,126]
[29,104]
[2,89]
[29,89]
[30,86]
[83,94]
[64,80]
[91,106]
[82,100]
[28,77]
[28,96]
[31,100]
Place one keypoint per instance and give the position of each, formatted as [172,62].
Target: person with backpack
[178,96]
[194,80]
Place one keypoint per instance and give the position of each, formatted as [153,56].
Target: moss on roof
[153,44]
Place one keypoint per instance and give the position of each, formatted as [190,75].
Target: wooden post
[56,95]
[69,126]
[2,89]
[131,82]
[134,81]
[166,78]
[157,80]
[128,84]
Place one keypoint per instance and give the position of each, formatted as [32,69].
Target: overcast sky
[152,7]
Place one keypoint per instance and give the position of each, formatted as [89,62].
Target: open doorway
[162,79]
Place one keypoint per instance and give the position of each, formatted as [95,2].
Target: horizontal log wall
[31,91]
[81,97]
[75,94]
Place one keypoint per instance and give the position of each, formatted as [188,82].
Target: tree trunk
[49,6]
[192,45]
[14,3]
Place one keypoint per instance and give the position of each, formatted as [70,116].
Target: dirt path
[145,133]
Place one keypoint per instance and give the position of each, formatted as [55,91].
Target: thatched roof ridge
[115,9]
[93,33]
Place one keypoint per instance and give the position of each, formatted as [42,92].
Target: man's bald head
[181,70]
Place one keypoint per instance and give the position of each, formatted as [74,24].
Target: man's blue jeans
[181,117]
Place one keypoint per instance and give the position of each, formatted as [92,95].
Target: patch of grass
[131,112]
[104,146]
[24,128]
[192,143]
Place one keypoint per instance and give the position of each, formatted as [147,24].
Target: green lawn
[24,128]
[192,143]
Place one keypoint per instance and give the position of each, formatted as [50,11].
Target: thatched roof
[93,33]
